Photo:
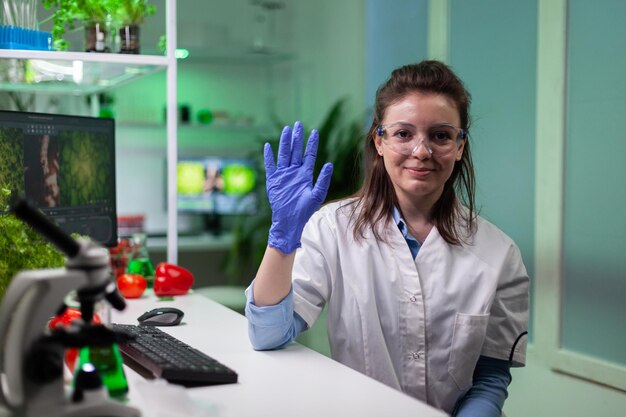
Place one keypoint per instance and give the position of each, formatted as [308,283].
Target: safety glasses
[404,138]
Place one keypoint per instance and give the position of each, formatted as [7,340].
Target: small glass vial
[140,262]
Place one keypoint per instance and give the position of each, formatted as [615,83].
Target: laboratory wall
[395,35]
[594,226]
[492,46]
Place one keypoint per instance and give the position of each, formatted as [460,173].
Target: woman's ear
[378,144]
[459,152]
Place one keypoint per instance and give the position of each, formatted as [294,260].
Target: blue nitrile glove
[290,189]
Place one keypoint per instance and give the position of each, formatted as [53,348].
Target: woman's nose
[422,150]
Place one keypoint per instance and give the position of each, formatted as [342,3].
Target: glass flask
[140,262]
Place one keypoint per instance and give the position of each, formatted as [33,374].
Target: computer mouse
[162,316]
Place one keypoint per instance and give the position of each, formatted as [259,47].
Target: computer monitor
[65,165]
[216,186]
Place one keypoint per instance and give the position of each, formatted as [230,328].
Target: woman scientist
[423,294]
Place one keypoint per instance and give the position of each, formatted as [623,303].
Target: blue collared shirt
[414,245]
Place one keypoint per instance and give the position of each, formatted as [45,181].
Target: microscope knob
[44,363]
[88,383]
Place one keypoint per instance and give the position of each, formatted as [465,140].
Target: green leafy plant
[340,143]
[96,11]
[21,247]
[63,18]
[162,44]
[11,157]
[134,12]
[70,13]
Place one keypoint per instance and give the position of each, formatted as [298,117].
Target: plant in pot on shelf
[340,143]
[130,15]
[96,17]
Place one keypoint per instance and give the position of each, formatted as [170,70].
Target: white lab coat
[416,325]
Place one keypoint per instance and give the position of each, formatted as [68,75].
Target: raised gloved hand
[290,189]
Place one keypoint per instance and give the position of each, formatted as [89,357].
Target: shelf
[76,72]
[223,139]
[237,56]
[199,243]
[218,127]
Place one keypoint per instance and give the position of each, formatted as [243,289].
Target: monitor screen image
[216,185]
[65,165]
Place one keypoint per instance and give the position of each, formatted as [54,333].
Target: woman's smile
[419,172]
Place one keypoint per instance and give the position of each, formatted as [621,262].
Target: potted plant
[95,15]
[130,14]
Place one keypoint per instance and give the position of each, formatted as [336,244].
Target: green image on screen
[190,178]
[85,166]
[238,179]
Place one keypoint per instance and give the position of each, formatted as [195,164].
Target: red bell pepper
[172,279]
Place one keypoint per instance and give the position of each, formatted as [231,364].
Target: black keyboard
[155,353]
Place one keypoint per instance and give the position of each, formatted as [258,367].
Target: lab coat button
[421,355]
[418,355]
[413,299]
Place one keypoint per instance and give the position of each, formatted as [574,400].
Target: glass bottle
[140,262]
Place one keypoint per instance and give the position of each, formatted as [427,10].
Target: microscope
[31,356]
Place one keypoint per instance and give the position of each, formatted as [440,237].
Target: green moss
[21,247]
[11,158]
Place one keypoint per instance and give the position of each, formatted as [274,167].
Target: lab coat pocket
[467,341]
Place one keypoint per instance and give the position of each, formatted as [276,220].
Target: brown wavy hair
[377,197]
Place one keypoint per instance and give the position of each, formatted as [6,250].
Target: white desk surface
[294,381]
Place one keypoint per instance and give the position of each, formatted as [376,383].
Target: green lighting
[181,53]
